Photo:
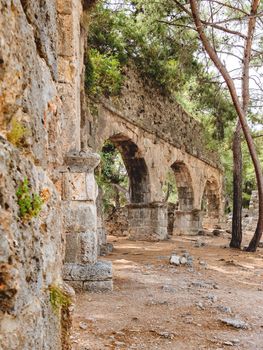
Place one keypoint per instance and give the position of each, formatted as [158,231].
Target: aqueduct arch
[136,168]
[184,185]
[151,144]
[211,203]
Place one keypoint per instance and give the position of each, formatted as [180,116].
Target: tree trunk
[237,190]
[239,108]
[117,198]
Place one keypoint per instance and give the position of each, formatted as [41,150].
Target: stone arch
[184,185]
[136,168]
[211,203]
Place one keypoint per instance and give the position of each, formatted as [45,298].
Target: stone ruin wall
[143,104]
[41,91]
[41,73]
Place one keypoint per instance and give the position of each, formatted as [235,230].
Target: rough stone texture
[80,222]
[142,103]
[79,216]
[30,258]
[147,221]
[154,136]
[41,68]
[96,277]
[81,247]
[117,223]
[187,222]
[101,271]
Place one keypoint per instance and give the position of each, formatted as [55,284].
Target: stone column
[79,192]
[147,221]
[187,222]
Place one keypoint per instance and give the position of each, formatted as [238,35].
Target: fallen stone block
[235,323]
[100,271]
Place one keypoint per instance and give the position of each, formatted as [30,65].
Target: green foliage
[153,36]
[30,204]
[58,298]
[111,172]
[103,74]
[170,187]
[135,33]
[17,133]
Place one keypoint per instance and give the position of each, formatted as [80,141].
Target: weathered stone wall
[41,67]
[155,136]
[116,224]
[143,104]
[30,258]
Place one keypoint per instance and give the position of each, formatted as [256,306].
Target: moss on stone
[58,298]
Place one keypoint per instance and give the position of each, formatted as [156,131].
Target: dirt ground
[156,305]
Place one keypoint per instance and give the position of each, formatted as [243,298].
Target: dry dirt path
[155,305]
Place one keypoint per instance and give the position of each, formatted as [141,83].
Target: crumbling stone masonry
[41,74]
[154,135]
[81,269]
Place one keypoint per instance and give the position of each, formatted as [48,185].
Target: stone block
[83,161]
[74,186]
[79,186]
[148,222]
[98,286]
[72,247]
[88,247]
[76,285]
[91,187]
[81,248]
[187,222]
[100,271]
[79,216]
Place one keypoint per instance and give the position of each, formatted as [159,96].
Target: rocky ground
[213,302]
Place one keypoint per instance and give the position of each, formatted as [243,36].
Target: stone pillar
[79,192]
[188,222]
[147,221]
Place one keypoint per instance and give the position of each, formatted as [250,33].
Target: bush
[17,133]
[103,74]
[29,203]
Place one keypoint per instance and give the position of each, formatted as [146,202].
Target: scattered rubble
[184,259]
[235,323]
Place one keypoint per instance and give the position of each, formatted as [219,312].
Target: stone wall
[140,102]
[30,258]
[41,74]
[116,224]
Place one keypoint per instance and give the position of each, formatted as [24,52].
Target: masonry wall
[140,102]
[41,48]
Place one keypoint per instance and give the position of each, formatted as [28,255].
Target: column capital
[81,161]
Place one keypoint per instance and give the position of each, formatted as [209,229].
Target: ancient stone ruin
[50,232]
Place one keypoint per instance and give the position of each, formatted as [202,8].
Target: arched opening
[139,184]
[210,204]
[123,179]
[184,186]
[182,218]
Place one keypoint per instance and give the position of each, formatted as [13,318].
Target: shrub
[29,203]
[103,74]
[17,134]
